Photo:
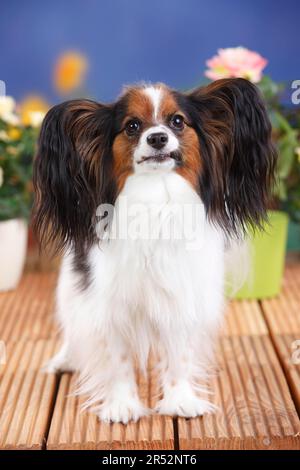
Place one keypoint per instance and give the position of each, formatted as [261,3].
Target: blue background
[130,40]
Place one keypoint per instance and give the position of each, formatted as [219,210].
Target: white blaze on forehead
[144,150]
[155,95]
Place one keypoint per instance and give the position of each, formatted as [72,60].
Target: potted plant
[267,247]
[291,203]
[17,146]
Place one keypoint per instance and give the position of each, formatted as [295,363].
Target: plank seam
[256,389]
[244,387]
[176,433]
[281,360]
[279,385]
[30,390]
[51,411]
[234,402]
[267,387]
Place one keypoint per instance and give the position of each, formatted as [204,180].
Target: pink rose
[236,62]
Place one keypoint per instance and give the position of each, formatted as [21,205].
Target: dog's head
[217,137]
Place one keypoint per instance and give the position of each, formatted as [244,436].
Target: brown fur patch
[140,106]
[122,154]
[168,106]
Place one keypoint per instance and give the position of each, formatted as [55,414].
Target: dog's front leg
[180,376]
[120,401]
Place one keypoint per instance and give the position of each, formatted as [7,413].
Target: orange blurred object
[69,72]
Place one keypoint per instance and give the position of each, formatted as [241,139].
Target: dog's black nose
[157,140]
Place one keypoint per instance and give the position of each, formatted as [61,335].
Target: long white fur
[145,294]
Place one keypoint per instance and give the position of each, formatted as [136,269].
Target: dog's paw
[122,410]
[58,363]
[186,405]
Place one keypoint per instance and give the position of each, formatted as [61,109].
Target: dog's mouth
[161,158]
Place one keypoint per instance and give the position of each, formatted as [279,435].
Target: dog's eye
[177,122]
[132,127]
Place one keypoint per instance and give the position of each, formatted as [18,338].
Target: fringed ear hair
[72,172]
[238,158]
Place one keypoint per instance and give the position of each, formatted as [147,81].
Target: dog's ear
[72,172]
[238,158]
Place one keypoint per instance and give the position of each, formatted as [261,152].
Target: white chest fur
[167,259]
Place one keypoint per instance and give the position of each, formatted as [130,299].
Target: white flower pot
[13,247]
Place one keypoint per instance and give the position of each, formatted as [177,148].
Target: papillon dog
[119,188]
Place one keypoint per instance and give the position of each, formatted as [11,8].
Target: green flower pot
[267,253]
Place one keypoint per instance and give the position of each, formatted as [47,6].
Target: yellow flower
[69,72]
[297,150]
[36,118]
[14,133]
[29,107]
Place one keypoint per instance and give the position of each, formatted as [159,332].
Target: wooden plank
[71,429]
[27,312]
[26,394]
[282,315]
[255,407]
[244,318]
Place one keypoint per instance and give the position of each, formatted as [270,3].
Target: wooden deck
[257,388]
